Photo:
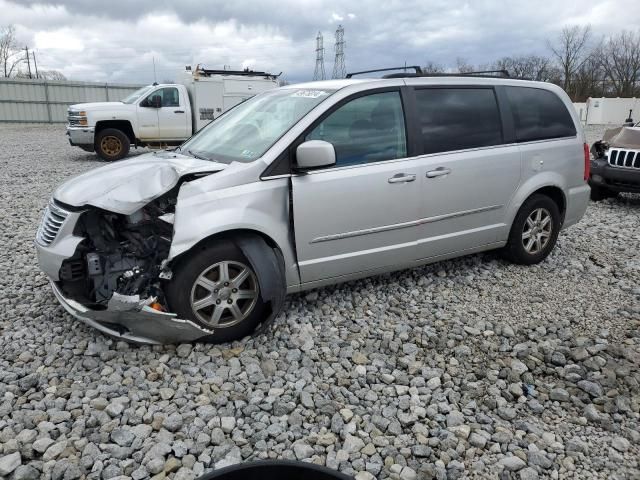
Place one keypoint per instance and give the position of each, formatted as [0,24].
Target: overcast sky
[116,40]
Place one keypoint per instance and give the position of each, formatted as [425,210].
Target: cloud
[118,40]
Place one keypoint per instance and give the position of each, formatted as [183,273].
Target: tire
[112,144]
[187,285]
[519,249]
[601,193]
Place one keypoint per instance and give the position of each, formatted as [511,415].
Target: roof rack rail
[481,74]
[417,69]
[419,73]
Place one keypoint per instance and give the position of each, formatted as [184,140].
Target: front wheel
[534,231]
[218,289]
[112,144]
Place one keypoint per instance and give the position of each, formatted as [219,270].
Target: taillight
[587,162]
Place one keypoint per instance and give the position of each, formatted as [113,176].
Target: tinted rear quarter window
[539,114]
[458,118]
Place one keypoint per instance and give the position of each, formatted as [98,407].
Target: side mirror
[314,154]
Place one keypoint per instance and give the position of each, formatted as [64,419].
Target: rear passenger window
[458,118]
[539,114]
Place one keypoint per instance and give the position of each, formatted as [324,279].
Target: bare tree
[55,75]
[620,57]
[10,55]
[571,49]
[589,79]
[531,67]
[463,66]
[432,67]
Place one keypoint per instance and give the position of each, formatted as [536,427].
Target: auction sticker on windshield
[309,93]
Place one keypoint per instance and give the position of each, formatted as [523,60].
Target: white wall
[611,111]
[31,100]
[581,110]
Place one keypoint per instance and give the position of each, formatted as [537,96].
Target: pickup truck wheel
[218,289]
[112,144]
[534,231]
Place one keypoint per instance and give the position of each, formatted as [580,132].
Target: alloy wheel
[537,231]
[224,294]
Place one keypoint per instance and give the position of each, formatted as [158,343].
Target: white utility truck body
[162,115]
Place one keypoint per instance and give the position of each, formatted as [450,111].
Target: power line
[339,69]
[318,73]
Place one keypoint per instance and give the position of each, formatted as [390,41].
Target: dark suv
[615,166]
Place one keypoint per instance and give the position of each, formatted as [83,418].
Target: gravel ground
[466,368]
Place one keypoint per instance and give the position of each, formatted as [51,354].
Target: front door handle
[178,111]
[438,172]
[402,178]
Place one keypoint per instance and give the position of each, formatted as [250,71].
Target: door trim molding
[396,226]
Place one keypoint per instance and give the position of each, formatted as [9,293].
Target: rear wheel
[112,144]
[534,231]
[218,289]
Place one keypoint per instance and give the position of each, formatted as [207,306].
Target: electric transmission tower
[318,73]
[339,70]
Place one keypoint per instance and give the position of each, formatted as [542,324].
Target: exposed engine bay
[121,256]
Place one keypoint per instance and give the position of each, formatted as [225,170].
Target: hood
[623,137]
[126,186]
[96,106]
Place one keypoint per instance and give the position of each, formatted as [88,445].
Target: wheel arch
[551,184]
[123,125]
[265,256]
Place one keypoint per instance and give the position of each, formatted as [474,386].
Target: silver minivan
[309,185]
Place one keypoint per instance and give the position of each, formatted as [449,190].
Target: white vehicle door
[148,118]
[470,170]
[359,215]
[172,115]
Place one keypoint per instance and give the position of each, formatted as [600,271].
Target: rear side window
[458,118]
[539,114]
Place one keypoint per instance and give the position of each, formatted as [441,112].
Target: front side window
[539,114]
[248,130]
[458,118]
[170,97]
[367,129]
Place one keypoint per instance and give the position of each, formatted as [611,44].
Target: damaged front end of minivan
[107,266]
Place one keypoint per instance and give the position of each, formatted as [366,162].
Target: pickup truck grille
[52,221]
[621,157]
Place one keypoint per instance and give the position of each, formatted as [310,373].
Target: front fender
[259,206]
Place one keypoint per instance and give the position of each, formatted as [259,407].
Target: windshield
[246,132]
[137,94]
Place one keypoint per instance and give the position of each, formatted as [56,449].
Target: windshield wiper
[195,155]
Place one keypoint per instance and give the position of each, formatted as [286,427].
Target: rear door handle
[178,111]
[402,178]
[438,172]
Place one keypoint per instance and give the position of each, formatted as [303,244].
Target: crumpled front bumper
[140,325]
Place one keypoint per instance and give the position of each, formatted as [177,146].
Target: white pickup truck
[161,115]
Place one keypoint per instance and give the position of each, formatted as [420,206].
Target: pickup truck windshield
[137,94]
[246,132]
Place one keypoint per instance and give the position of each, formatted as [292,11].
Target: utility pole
[339,70]
[26,49]
[35,64]
[318,73]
